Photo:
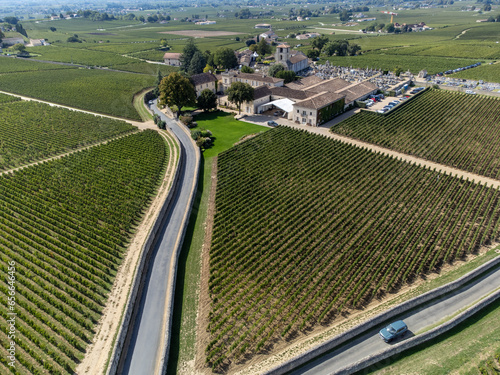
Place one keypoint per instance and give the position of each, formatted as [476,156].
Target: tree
[208,69]
[239,93]
[287,75]
[246,69]
[389,28]
[187,54]
[319,42]
[11,20]
[353,49]
[159,77]
[19,47]
[74,39]
[176,90]
[312,53]
[263,48]
[275,69]
[225,58]
[339,48]
[20,29]
[207,100]
[53,29]
[345,15]
[249,42]
[397,71]
[197,63]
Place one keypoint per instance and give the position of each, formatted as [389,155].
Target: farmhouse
[11,41]
[204,81]
[172,58]
[310,101]
[269,36]
[295,61]
[306,36]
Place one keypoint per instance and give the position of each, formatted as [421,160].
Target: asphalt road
[428,315]
[144,351]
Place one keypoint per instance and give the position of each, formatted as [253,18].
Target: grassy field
[90,89]
[451,128]
[227,131]
[32,131]
[64,225]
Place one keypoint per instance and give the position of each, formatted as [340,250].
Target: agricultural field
[488,73]
[64,226]
[8,99]
[12,65]
[90,89]
[299,240]
[432,64]
[451,128]
[32,131]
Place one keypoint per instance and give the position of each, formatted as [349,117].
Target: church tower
[282,54]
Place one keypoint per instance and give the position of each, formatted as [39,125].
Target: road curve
[426,316]
[146,344]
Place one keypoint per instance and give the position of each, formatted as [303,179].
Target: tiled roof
[305,82]
[261,91]
[297,58]
[320,100]
[199,79]
[357,90]
[330,85]
[172,55]
[289,93]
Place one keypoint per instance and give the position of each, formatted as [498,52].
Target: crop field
[299,239]
[470,51]
[79,56]
[64,225]
[488,73]
[432,64]
[455,129]
[8,99]
[10,65]
[94,90]
[32,131]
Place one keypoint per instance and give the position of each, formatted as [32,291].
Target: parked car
[272,123]
[383,110]
[393,331]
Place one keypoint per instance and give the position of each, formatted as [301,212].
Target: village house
[172,58]
[204,81]
[269,36]
[6,42]
[253,79]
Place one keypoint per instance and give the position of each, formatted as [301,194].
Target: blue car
[393,331]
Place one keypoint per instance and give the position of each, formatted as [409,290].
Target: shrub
[186,120]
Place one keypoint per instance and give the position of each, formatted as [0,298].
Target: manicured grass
[459,351]
[225,129]
[141,107]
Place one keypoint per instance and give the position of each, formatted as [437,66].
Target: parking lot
[381,104]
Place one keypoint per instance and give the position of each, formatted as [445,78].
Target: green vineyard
[32,131]
[94,90]
[8,99]
[64,225]
[455,129]
[307,227]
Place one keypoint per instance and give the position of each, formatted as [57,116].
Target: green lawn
[226,131]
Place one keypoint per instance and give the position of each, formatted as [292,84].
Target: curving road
[426,316]
[146,344]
